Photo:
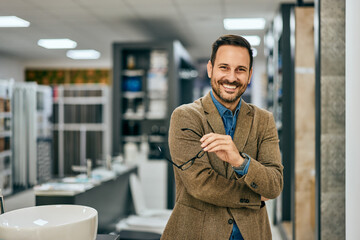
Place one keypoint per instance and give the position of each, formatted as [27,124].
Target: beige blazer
[209,195]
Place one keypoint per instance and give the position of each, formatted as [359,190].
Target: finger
[210,135]
[214,142]
[218,148]
[219,142]
[208,138]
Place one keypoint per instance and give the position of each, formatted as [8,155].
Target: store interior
[86,130]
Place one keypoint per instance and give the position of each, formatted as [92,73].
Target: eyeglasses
[190,162]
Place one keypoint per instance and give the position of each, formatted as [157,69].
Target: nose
[232,76]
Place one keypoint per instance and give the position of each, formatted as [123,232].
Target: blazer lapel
[212,115]
[243,126]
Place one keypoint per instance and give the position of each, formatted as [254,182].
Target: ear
[209,69]
[250,75]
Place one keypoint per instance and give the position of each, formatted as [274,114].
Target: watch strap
[243,165]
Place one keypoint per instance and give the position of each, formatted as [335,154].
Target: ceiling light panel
[83,54]
[254,40]
[63,43]
[13,21]
[244,23]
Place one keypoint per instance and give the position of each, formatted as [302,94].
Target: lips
[228,84]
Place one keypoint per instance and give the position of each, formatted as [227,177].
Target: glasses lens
[200,154]
[187,165]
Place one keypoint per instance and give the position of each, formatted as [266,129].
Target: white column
[352,119]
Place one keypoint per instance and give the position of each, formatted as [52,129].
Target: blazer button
[242,200]
[253,185]
[230,221]
[247,200]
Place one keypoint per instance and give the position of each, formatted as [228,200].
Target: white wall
[11,68]
[352,119]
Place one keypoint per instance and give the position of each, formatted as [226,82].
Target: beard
[215,85]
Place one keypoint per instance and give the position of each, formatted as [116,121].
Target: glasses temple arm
[189,129]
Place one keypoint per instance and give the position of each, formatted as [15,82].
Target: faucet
[86,168]
[108,162]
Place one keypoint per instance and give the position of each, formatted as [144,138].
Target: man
[226,153]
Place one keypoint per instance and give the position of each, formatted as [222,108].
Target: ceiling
[96,24]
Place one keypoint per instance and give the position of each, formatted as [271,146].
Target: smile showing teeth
[229,86]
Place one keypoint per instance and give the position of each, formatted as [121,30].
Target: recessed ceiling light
[83,54]
[13,21]
[244,23]
[62,43]
[253,40]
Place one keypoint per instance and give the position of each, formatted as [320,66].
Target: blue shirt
[229,119]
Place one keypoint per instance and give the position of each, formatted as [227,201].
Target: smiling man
[230,74]
[221,194]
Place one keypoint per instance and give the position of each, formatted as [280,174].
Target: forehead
[232,55]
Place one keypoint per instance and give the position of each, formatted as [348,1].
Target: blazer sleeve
[265,174]
[200,180]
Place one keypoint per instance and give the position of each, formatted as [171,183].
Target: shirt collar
[221,108]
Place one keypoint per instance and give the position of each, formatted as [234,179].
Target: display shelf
[133,95]
[81,125]
[133,72]
[282,89]
[44,141]
[5,114]
[6,158]
[147,87]
[157,139]
[136,139]
[5,134]
[83,100]
[144,74]
[6,153]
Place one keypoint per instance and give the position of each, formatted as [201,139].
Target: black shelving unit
[281,102]
[149,81]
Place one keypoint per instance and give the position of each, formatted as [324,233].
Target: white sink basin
[50,222]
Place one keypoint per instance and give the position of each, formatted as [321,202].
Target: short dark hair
[233,40]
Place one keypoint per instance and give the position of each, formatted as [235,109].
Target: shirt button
[230,221]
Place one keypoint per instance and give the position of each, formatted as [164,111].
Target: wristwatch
[246,160]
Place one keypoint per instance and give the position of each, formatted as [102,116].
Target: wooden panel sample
[304,124]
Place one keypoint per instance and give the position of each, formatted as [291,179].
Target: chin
[229,99]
